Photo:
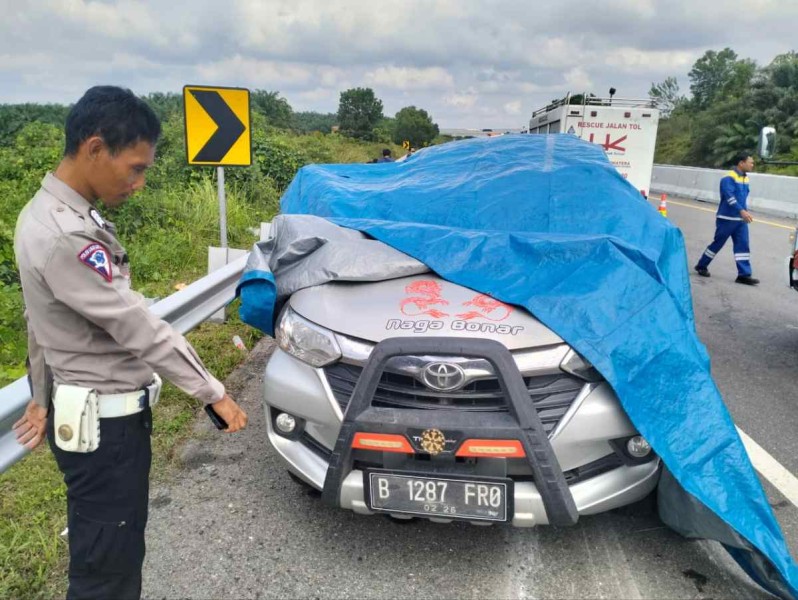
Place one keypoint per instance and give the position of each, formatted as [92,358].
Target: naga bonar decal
[424,326]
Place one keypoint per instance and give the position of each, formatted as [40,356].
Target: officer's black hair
[741,157]
[115,114]
[386,152]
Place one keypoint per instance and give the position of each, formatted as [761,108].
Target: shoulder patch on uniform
[95,256]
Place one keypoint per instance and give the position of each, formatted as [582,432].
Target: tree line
[731,99]
[360,116]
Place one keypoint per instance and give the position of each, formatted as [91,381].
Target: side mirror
[767,142]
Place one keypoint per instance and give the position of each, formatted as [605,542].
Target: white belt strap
[130,403]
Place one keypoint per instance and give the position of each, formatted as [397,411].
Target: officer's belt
[111,406]
[130,403]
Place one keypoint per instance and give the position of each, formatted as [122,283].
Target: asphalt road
[231,524]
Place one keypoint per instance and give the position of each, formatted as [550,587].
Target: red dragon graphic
[426,294]
[487,308]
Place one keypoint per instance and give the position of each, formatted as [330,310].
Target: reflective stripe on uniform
[728,218]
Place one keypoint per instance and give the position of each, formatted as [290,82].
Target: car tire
[645,507]
[400,521]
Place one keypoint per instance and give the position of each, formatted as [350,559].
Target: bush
[277,160]
[14,117]
[167,232]
[37,149]
[8,270]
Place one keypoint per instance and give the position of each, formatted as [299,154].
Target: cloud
[482,63]
[410,78]
[460,101]
[13,63]
[634,60]
[513,108]
[258,73]
[321,97]
[578,79]
[121,21]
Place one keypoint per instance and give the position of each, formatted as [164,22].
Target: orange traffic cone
[663,205]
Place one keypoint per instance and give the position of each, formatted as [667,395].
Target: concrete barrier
[770,194]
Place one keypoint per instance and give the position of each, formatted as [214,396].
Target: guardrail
[184,310]
[771,194]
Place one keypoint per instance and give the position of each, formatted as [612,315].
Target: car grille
[552,395]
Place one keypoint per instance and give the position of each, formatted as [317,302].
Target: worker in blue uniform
[732,219]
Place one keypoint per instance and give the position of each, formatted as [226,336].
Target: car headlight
[306,341]
[575,364]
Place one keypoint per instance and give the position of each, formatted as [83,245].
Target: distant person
[732,220]
[386,156]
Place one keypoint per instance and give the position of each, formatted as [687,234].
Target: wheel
[399,520]
[645,507]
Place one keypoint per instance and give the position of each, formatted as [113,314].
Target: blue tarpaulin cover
[547,223]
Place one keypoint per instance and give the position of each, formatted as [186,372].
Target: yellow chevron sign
[217,126]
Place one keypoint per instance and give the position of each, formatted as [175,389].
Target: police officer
[732,220]
[88,331]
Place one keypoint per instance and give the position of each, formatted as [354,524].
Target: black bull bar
[520,422]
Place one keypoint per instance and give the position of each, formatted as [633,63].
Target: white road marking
[771,469]
[768,467]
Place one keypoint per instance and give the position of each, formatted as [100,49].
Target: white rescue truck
[626,129]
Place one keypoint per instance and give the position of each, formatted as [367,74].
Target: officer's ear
[94,147]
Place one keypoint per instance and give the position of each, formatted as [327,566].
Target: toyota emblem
[443,376]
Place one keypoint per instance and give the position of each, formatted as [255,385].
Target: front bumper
[581,438]
[604,492]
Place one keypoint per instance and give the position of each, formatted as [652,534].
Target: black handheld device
[215,418]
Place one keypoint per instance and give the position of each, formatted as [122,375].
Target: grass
[33,558]
[167,232]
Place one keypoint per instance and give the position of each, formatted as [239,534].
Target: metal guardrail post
[13,399]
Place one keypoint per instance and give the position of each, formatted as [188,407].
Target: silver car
[417,397]
[792,262]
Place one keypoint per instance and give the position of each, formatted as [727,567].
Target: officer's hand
[746,216]
[232,413]
[32,427]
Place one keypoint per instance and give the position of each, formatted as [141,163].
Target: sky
[469,63]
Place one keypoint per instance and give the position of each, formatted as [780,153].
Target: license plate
[447,497]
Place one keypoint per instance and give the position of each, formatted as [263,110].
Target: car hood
[421,305]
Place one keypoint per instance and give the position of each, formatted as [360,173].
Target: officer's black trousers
[107,492]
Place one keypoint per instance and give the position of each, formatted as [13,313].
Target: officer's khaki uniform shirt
[84,322]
